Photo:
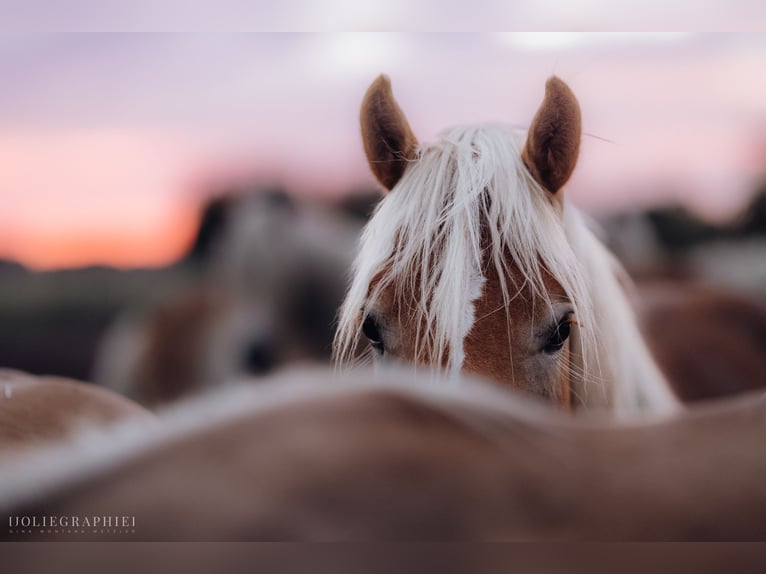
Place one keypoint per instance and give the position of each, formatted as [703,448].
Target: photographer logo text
[72,524]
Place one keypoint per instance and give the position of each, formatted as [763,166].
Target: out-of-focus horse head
[273,276]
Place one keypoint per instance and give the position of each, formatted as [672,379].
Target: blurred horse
[701,309]
[320,458]
[39,410]
[273,276]
[475,262]
[709,342]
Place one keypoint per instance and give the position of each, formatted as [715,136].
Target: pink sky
[105,139]
[354,15]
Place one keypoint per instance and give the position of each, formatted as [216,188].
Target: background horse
[37,410]
[710,343]
[270,282]
[475,262]
[400,458]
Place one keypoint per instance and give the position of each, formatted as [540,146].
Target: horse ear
[388,140]
[553,141]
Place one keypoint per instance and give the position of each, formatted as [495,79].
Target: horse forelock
[466,202]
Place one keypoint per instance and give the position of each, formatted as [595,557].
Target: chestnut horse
[313,458]
[710,343]
[475,262]
[267,297]
[38,410]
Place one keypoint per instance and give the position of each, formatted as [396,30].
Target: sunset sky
[107,141]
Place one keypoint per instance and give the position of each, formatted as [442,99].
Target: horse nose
[260,356]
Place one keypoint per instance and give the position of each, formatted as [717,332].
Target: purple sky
[363,15]
[110,135]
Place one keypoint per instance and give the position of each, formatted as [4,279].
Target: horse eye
[371,330]
[559,335]
[260,357]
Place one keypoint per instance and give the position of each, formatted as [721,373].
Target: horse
[271,277]
[393,454]
[475,262]
[39,410]
[708,341]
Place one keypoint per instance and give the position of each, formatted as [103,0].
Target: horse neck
[630,379]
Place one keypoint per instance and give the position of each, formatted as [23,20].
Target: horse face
[523,345]
[499,326]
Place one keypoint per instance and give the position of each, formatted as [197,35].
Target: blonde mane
[426,238]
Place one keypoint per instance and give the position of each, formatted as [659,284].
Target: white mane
[98,450]
[425,238]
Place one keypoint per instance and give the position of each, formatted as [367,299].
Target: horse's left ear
[553,141]
[388,139]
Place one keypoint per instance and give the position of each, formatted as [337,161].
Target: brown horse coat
[710,343]
[418,461]
[36,410]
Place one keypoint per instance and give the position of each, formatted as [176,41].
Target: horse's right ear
[388,140]
[553,141]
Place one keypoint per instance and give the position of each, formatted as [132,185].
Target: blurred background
[176,209]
